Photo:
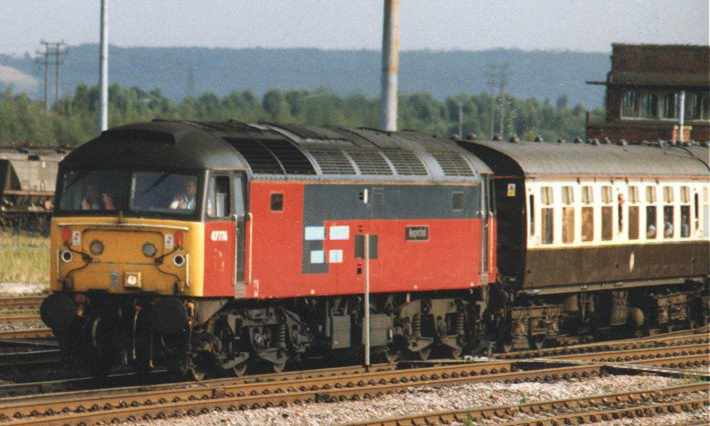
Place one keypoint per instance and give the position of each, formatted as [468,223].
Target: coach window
[218,197]
[668,219]
[633,202]
[567,214]
[706,211]
[531,214]
[547,216]
[587,213]
[696,212]
[651,219]
[685,212]
[607,214]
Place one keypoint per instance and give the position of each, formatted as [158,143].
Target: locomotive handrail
[250,217]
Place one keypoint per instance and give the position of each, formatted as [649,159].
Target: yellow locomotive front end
[126,261]
[126,255]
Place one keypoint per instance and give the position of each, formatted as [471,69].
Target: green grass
[24,258]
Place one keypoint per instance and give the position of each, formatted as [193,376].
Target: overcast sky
[588,25]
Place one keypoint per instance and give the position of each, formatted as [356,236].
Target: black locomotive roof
[278,151]
[598,159]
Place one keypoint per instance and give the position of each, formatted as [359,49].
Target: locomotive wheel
[239,370]
[424,353]
[392,356]
[278,367]
[195,373]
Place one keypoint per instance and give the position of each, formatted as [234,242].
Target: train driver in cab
[186,200]
[93,200]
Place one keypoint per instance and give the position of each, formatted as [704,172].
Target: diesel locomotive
[207,247]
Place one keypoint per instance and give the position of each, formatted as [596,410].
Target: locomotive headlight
[179,260]
[149,250]
[66,256]
[133,280]
[96,247]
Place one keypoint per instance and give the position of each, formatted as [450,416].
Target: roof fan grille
[333,162]
[260,159]
[452,163]
[370,162]
[291,158]
[406,163]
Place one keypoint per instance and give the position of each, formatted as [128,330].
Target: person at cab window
[185,200]
[93,200]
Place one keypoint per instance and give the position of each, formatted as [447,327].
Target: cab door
[239,217]
[220,236]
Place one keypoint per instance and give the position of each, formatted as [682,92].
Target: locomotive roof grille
[452,163]
[290,157]
[405,162]
[260,159]
[332,162]
[370,162]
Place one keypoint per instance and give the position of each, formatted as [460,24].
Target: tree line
[73,119]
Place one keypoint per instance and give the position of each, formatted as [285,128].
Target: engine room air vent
[406,163]
[370,162]
[332,162]
[260,159]
[291,158]
[452,163]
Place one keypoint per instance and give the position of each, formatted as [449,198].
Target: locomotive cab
[140,218]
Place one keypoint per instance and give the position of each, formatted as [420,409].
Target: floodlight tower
[390,65]
[103,67]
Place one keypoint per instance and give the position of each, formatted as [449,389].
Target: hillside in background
[180,72]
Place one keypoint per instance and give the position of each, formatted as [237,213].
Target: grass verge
[24,258]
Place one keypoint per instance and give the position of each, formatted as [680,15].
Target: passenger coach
[597,236]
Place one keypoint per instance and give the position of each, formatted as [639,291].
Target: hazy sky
[589,25]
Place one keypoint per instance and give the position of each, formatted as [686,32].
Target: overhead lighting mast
[103,67]
[390,65]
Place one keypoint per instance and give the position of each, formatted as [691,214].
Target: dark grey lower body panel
[612,266]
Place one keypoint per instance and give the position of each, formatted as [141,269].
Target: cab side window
[218,197]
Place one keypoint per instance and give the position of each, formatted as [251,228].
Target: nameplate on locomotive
[417,233]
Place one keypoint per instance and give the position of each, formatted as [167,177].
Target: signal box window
[633,213]
[668,219]
[607,214]
[547,216]
[568,214]
[218,200]
[651,220]
[277,202]
[587,213]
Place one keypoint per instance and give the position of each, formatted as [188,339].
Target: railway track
[681,337]
[29,333]
[598,408]
[22,302]
[19,317]
[131,405]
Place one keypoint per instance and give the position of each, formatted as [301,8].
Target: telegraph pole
[492,82]
[43,59]
[390,66]
[103,67]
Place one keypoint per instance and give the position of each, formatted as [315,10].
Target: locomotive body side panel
[423,238]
